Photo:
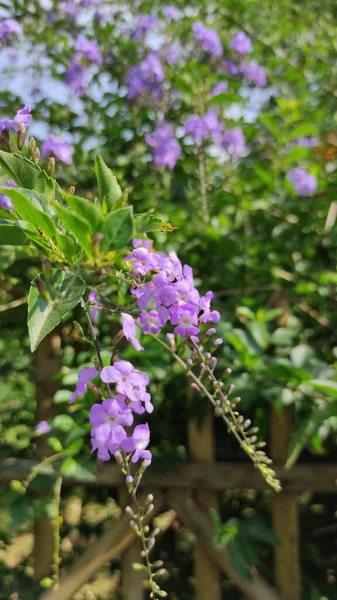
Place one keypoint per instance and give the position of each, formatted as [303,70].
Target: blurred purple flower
[219,88]
[85,375]
[43,427]
[143,24]
[230,67]
[233,141]
[241,44]
[129,330]
[22,117]
[146,78]
[167,149]
[10,28]
[172,13]
[94,298]
[89,50]
[304,183]
[138,443]
[201,127]
[307,142]
[5,201]
[76,77]
[254,74]
[208,39]
[60,149]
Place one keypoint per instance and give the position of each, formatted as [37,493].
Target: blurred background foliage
[268,254]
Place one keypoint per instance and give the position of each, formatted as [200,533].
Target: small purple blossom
[167,149]
[129,330]
[94,311]
[60,149]
[153,321]
[233,141]
[138,443]
[85,375]
[208,316]
[108,420]
[201,127]
[43,427]
[219,88]
[172,13]
[76,77]
[230,67]
[304,183]
[89,50]
[241,44]
[5,201]
[142,260]
[208,39]
[185,318]
[307,142]
[254,74]
[22,117]
[10,28]
[129,381]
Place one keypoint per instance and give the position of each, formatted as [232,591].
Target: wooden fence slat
[201,449]
[314,477]
[285,514]
[47,365]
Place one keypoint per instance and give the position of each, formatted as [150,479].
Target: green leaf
[117,229]
[307,430]
[260,333]
[55,444]
[11,234]
[301,354]
[29,212]
[44,315]
[68,467]
[325,386]
[303,130]
[27,174]
[85,209]
[64,422]
[108,186]
[146,222]
[77,226]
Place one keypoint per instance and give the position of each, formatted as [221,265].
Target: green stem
[56,531]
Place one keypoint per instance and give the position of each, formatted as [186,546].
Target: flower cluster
[208,38]
[10,28]
[59,149]
[146,78]
[304,183]
[168,295]
[167,149]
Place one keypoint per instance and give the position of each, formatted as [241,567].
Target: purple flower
[152,289]
[153,321]
[22,117]
[167,148]
[5,201]
[94,298]
[108,420]
[146,78]
[144,23]
[233,141]
[89,50]
[230,67]
[200,127]
[138,443]
[85,375]
[172,13]
[142,260]
[185,318]
[241,43]
[43,427]
[76,77]
[9,28]
[208,39]
[129,330]
[60,149]
[254,74]
[129,381]
[304,183]
[208,316]
[70,9]
[307,142]
[220,88]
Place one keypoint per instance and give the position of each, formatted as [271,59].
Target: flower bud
[97,364]
[210,331]
[231,389]
[36,155]
[94,389]
[21,136]
[79,329]
[48,270]
[51,166]
[71,190]
[119,458]
[42,289]
[171,339]
[31,145]
[151,543]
